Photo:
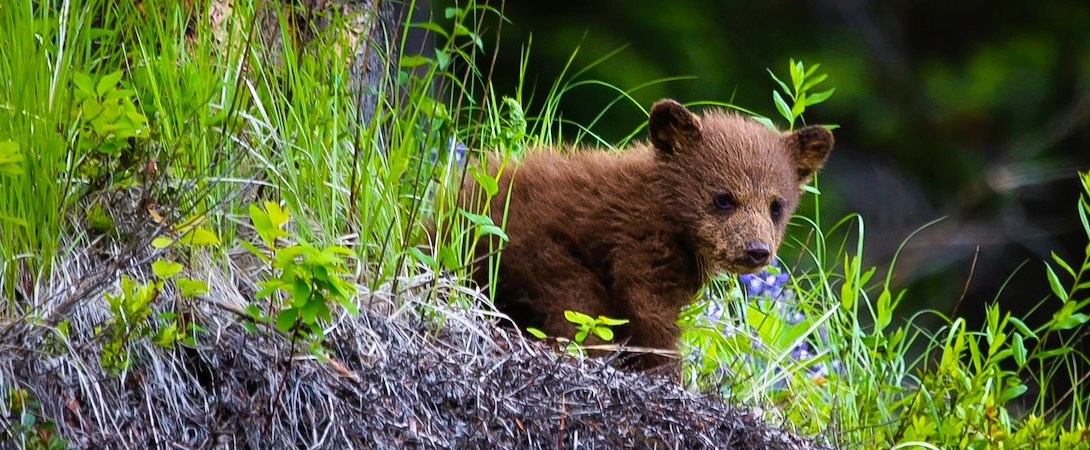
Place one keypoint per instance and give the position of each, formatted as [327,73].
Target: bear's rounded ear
[810,146]
[673,126]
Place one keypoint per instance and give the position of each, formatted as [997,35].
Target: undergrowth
[126,122]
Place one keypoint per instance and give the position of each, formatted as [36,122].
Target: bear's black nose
[758,253]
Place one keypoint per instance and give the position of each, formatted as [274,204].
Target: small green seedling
[585,325]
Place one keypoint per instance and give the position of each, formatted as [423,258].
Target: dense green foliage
[117,119]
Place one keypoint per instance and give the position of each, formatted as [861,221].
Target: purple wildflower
[456,152]
[767,283]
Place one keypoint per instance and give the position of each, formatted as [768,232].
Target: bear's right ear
[673,126]
[811,146]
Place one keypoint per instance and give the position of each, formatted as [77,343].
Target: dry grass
[393,379]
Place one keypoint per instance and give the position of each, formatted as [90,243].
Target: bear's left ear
[810,146]
[673,126]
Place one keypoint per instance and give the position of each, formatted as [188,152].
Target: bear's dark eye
[724,202]
[776,210]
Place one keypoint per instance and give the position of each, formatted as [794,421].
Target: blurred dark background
[972,111]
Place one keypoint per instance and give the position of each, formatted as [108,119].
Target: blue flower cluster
[456,153]
[770,288]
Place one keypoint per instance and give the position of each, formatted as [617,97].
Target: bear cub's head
[730,182]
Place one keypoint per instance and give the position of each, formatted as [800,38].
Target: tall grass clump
[817,338]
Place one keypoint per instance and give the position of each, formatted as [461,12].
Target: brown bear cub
[636,236]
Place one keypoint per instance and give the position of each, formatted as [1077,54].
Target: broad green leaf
[604,333]
[165,269]
[161,242]
[84,85]
[476,219]
[11,158]
[198,236]
[300,293]
[488,182]
[577,317]
[536,332]
[1054,283]
[581,335]
[191,288]
[107,82]
[494,230]
[277,215]
[286,319]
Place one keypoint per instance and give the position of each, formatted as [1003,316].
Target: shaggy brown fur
[635,236]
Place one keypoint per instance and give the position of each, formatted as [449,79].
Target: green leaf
[1071,321]
[604,333]
[536,332]
[797,75]
[782,107]
[819,97]
[494,230]
[1018,350]
[581,335]
[411,61]
[107,82]
[165,269]
[11,158]
[198,236]
[610,321]
[813,81]
[1012,393]
[191,288]
[764,121]
[84,85]
[1022,328]
[161,242]
[1063,264]
[277,215]
[1083,218]
[777,80]
[442,59]
[476,219]
[421,257]
[285,321]
[488,182]
[253,311]
[254,250]
[577,317]
[434,28]
[1054,283]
